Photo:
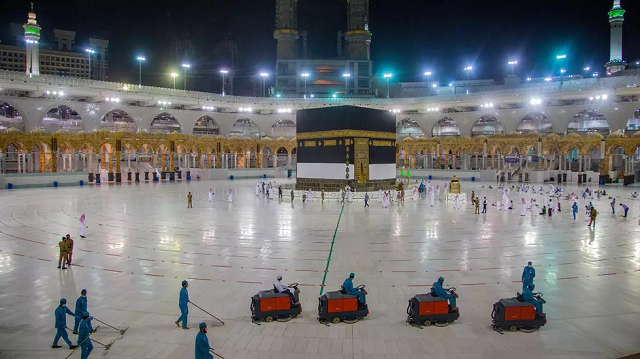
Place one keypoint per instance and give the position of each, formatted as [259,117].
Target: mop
[216,318]
[121,331]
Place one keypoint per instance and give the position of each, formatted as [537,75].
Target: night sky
[409,36]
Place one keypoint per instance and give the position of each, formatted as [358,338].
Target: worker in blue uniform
[441,293]
[348,287]
[182,304]
[61,325]
[81,310]
[83,337]
[202,343]
[527,296]
[528,274]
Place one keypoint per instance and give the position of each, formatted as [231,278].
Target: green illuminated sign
[616,13]
[31,30]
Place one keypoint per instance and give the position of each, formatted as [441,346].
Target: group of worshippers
[82,325]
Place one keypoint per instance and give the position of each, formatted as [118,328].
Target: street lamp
[387,76]
[305,75]
[561,58]
[174,75]
[264,76]
[185,66]
[346,76]
[140,59]
[513,66]
[90,52]
[224,73]
[428,74]
[468,69]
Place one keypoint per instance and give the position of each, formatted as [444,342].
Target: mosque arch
[118,121]
[446,127]
[63,118]
[10,118]
[587,121]
[633,124]
[487,125]
[165,123]
[245,127]
[283,128]
[534,122]
[206,126]
[408,128]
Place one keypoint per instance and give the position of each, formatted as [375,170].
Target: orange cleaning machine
[426,309]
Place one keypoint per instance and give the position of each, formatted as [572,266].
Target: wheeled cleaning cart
[426,309]
[513,315]
[337,306]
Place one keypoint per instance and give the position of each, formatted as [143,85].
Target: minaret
[358,36]
[616,18]
[31,39]
[286,28]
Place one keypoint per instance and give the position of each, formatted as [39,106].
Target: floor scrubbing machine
[268,305]
[427,309]
[515,314]
[339,306]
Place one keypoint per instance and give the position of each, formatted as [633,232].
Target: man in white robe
[210,194]
[83,226]
[230,196]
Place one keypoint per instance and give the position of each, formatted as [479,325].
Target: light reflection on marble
[142,241]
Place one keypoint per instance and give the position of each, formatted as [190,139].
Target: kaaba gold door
[361,152]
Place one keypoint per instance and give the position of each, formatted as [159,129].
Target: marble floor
[142,242]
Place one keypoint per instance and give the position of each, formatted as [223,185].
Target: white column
[19,164]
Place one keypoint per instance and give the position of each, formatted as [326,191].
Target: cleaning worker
[527,295]
[81,309]
[83,338]
[202,343]
[282,289]
[61,325]
[528,274]
[441,293]
[348,287]
[182,304]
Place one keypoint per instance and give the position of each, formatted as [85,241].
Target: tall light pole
[305,76]
[387,76]
[428,74]
[174,75]
[185,66]
[264,76]
[346,76]
[224,73]
[90,52]
[468,70]
[513,66]
[140,59]
[561,58]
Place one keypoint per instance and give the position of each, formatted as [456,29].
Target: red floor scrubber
[338,306]
[515,314]
[427,309]
[268,305]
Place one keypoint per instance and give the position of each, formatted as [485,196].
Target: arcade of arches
[534,152]
[106,151]
[121,152]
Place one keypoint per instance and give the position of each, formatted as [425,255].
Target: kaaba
[345,145]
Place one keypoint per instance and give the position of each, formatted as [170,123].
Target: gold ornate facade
[446,150]
[206,151]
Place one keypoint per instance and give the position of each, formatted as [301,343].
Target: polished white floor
[142,241]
